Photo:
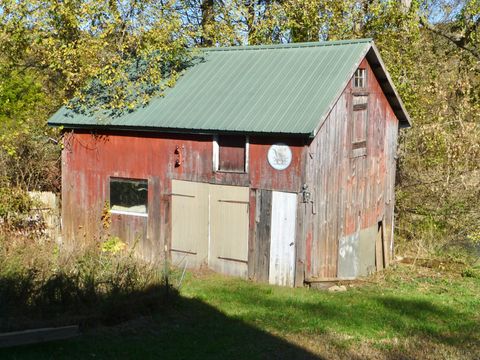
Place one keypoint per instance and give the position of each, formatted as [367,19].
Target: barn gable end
[353,192]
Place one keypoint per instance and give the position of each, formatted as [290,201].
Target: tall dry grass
[42,284]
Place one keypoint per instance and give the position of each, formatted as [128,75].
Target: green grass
[406,313]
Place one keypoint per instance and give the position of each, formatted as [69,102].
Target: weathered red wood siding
[89,159]
[349,193]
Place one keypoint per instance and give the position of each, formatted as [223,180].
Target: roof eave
[342,88]
[386,83]
[166,130]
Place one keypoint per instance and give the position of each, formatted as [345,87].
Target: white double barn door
[210,227]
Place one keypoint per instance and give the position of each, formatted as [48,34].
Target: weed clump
[44,285]
[472,272]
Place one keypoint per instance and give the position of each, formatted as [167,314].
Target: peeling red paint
[263,176]
[90,159]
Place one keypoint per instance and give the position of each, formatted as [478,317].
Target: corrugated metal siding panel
[282,89]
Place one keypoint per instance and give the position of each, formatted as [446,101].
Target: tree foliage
[117,54]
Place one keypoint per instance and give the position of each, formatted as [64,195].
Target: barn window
[360,78]
[230,153]
[359,125]
[128,196]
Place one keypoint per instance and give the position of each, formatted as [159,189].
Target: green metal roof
[253,89]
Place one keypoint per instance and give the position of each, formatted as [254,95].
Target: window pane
[231,155]
[129,195]
[360,78]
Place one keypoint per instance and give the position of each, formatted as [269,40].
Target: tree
[72,42]
[109,55]
[456,21]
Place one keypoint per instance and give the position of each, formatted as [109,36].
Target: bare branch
[459,41]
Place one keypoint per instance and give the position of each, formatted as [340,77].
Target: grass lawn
[404,313]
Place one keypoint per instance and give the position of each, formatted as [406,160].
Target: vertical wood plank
[153,246]
[351,192]
[252,229]
[263,235]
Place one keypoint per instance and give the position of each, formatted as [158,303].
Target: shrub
[14,202]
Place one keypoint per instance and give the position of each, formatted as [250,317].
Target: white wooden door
[210,226]
[228,249]
[189,224]
[282,241]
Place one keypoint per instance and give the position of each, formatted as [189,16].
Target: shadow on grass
[182,329]
[423,318]
[261,317]
[29,301]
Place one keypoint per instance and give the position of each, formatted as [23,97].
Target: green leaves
[69,43]
[111,56]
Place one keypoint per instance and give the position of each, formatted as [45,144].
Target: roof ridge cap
[289,45]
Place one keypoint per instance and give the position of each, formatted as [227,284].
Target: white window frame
[216,155]
[362,77]
[131,213]
[125,212]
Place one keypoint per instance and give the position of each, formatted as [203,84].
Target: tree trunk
[208,19]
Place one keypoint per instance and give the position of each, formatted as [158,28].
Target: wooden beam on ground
[35,336]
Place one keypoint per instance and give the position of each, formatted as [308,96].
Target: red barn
[275,163]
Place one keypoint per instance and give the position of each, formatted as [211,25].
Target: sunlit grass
[408,312]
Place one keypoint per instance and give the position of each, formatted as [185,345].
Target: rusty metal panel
[190,215]
[282,243]
[229,228]
[357,254]
[366,250]
[348,256]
